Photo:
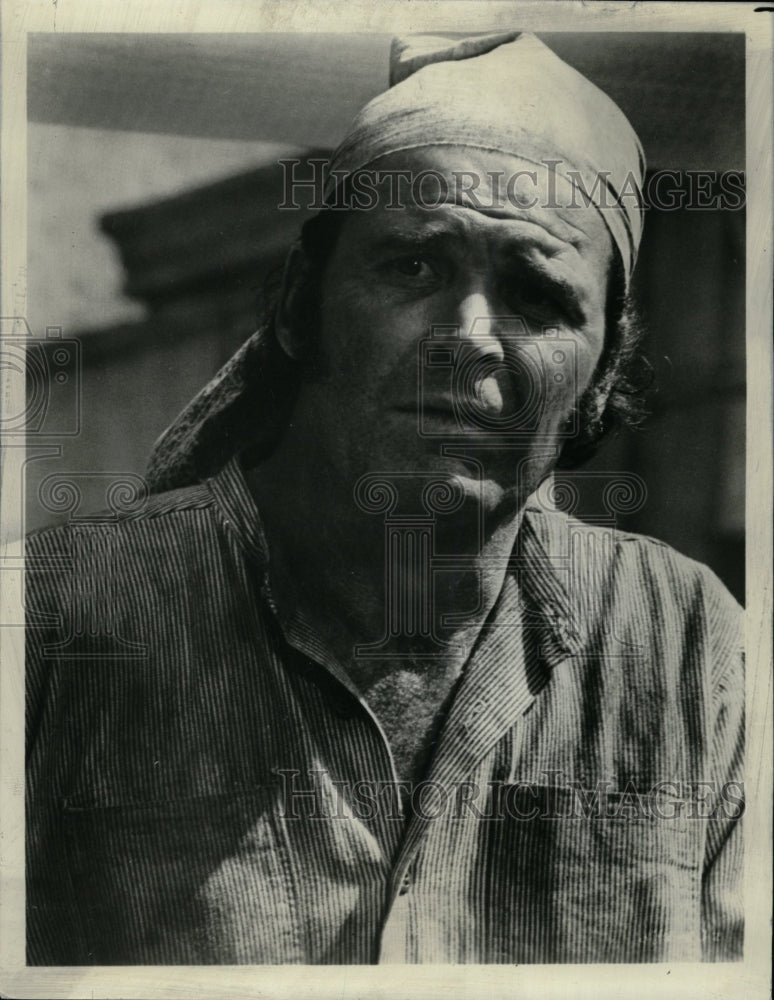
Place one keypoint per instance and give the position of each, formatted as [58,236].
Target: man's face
[521,292]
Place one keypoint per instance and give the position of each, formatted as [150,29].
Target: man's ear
[291,319]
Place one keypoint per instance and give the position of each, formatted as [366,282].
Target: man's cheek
[344,341]
[560,390]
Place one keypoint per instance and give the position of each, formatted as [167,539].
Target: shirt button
[405,884]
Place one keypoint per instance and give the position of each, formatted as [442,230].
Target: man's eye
[413,266]
[535,301]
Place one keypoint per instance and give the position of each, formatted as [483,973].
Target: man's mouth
[484,398]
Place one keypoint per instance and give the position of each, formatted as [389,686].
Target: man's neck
[364,585]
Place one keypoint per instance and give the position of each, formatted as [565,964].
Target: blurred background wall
[153,192]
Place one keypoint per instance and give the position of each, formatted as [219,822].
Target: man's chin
[490,481]
[458,489]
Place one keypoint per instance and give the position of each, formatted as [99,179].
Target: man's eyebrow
[571,294]
[545,276]
[419,230]
[420,236]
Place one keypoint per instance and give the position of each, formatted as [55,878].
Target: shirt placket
[500,683]
[496,689]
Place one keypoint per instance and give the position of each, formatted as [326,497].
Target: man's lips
[485,399]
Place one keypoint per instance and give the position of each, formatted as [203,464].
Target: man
[354,695]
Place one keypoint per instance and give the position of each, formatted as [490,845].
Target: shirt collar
[540,565]
[242,517]
[240,513]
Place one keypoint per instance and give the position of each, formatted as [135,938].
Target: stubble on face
[393,279]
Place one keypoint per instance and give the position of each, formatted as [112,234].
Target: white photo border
[752,977]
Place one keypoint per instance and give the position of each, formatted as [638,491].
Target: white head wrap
[506,93]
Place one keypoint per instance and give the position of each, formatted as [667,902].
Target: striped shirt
[202,789]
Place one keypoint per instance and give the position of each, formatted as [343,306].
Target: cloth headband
[506,93]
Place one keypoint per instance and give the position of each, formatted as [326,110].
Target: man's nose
[487,375]
[481,322]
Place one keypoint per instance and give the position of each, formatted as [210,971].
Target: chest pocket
[606,880]
[189,882]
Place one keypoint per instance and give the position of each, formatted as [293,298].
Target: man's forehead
[459,192]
